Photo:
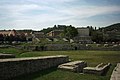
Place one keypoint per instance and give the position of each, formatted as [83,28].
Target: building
[54,33]
[38,34]
[83,31]
[83,35]
[8,32]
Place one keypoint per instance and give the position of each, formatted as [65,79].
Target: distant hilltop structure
[83,31]
[83,35]
[54,33]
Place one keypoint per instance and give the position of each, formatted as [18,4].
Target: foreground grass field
[91,57]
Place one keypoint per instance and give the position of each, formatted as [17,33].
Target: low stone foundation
[100,69]
[3,56]
[75,66]
[10,68]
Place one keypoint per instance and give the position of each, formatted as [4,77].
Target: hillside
[56,27]
[113,27]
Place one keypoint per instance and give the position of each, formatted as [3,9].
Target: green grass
[91,57]
[56,74]
[12,51]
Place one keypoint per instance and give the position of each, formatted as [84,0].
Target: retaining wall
[54,47]
[10,68]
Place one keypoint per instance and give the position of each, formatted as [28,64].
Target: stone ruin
[81,66]
[10,68]
[20,66]
[75,66]
[100,69]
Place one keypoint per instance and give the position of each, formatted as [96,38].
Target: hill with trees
[112,27]
[56,27]
[109,33]
[68,31]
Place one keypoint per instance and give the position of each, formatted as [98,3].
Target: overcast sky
[39,14]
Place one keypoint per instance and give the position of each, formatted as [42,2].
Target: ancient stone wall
[61,47]
[10,68]
[3,56]
[54,47]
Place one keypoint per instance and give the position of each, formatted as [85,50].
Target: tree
[97,36]
[70,32]
[61,35]
[105,37]
[1,38]
[10,39]
[91,29]
[55,27]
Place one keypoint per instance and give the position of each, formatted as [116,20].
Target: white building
[83,35]
[83,31]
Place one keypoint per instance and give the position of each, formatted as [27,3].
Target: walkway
[116,73]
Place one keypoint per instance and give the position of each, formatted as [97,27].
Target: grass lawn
[91,57]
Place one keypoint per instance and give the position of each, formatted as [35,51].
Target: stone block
[100,69]
[75,66]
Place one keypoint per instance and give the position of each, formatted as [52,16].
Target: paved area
[116,73]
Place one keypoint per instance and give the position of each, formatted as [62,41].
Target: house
[54,33]
[38,34]
[8,32]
